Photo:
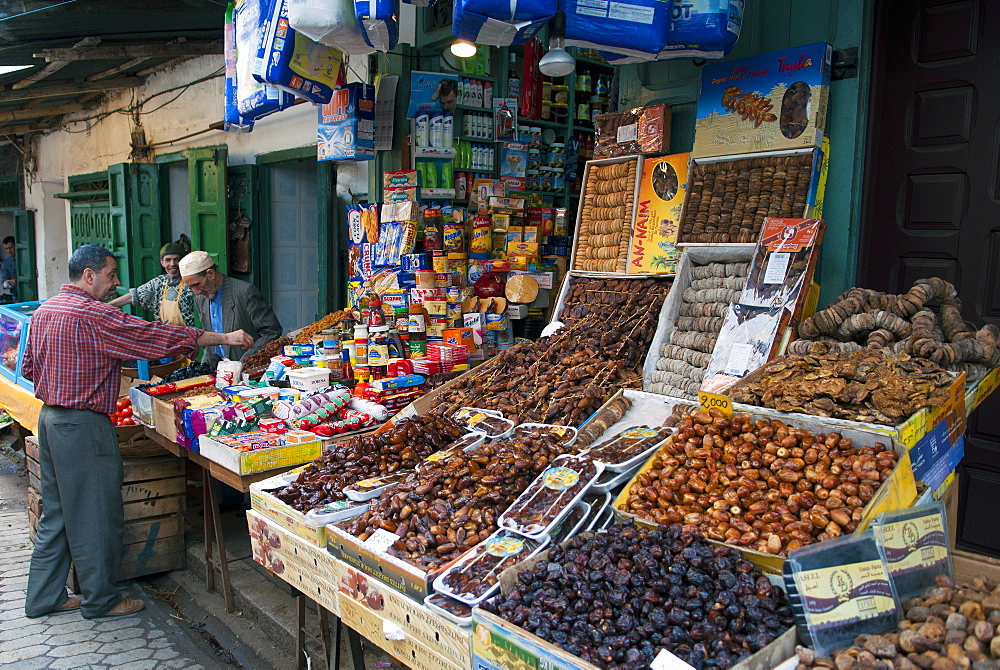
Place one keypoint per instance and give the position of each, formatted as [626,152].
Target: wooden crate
[153,501]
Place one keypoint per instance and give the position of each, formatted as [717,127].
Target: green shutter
[136,223]
[24,236]
[207,175]
[242,200]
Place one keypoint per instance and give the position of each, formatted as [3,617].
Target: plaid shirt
[76,345]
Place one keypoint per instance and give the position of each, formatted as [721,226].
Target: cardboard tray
[259,460]
[564,287]
[977,393]
[631,218]
[264,504]
[899,491]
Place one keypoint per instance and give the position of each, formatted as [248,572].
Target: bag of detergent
[254,100]
[329,22]
[294,62]
[232,121]
[629,27]
[419,3]
[699,29]
[500,22]
[377,20]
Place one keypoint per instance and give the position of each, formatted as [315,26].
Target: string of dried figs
[759,484]
[618,597]
[950,627]
[450,506]
[605,219]
[869,385]
[565,377]
[329,321]
[365,456]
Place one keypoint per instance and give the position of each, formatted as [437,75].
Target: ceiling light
[557,62]
[463,48]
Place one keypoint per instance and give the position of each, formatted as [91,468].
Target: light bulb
[463,48]
[557,62]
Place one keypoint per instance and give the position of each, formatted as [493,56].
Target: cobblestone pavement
[150,639]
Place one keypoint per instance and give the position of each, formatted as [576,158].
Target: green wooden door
[242,198]
[332,242]
[136,223]
[24,235]
[207,180]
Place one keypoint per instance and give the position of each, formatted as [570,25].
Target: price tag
[667,661]
[380,540]
[777,268]
[629,133]
[719,402]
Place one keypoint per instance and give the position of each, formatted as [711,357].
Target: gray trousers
[82,514]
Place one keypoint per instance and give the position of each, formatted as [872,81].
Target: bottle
[422,130]
[376,315]
[461,187]
[513,80]
[448,131]
[437,126]
[447,177]
[378,351]
[417,331]
[488,95]
[361,346]
[602,92]
[364,308]
[397,351]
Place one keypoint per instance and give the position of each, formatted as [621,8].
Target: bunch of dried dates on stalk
[872,385]
[400,448]
[903,323]
[449,506]
[565,377]
[759,484]
[617,598]
[951,627]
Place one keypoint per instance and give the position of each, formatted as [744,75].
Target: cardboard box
[346,129]
[258,460]
[771,101]
[309,379]
[546,280]
[421,625]
[408,651]
[266,505]
[657,220]
[517,311]
[304,566]
[899,491]
[977,392]
[641,130]
[575,260]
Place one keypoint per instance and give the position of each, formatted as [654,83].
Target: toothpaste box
[346,128]
[396,382]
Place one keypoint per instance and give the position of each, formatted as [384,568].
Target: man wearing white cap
[226,304]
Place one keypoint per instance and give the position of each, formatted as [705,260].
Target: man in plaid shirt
[76,345]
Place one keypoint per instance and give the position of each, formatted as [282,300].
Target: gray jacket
[243,308]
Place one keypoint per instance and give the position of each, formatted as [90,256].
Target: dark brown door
[932,192]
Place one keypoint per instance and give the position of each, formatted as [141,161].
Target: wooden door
[932,191]
[24,240]
[207,179]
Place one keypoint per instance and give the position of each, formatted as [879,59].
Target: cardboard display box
[259,460]
[658,218]
[384,634]
[576,258]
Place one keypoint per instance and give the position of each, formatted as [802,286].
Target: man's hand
[239,338]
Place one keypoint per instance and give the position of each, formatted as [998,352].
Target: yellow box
[658,215]
[979,391]
[298,437]
[531,234]
[304,566]
[259,460]
[522,248]
[268,506]
[408,651]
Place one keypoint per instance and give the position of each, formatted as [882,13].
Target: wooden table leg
[357,653]
[220,540]
[300,631]
[324,633]
[207,512]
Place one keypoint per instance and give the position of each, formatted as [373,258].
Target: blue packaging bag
[629,27]
[500,23]
[698,29]
[254,100]
[378,23]
[293,62]
[232,121]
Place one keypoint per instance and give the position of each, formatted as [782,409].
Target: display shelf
[553,194]
[541,123]
[594,63]
[583,129]
[434,193]
[433,152]
[472,138]
[470,108]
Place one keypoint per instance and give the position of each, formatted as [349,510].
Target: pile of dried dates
[951,627]
[759,484]
[629,443]
[449,506]
[565,377]
[365,456]
[618,597]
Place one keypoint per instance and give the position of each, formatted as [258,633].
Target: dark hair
[9,238]
[88,256]
[446,86]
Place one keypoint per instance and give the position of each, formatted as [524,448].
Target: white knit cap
[195,262]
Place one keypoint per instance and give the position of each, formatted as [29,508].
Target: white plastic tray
[431,602]
[558,430]
[608,483]
[585,516]
[465,413]
[633,462]
[368,489]
[338,511]
[524,550]
[597,509]
[536,487]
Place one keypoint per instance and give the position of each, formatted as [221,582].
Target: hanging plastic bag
[377,20]
[294,62]
[254,100]
[232,121]
[419,3]
[633,27]
[329,22]
[699,29]
[500,23]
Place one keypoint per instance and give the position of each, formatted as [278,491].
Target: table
[211,473]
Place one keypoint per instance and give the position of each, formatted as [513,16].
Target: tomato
[122,404]
[128,421]
[125,413]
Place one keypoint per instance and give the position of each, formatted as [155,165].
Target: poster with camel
[769,102]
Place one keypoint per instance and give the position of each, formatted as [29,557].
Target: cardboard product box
[577,258]
[657,220]
[771,101]
[302,565]
[258,460]
[899,491]
[266,505]
[346,129]
[641,130]
[385,634]
[976,393]
[419,624]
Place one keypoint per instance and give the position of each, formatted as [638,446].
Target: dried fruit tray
[550,497]
[438,603]
[492,556]
[485,421]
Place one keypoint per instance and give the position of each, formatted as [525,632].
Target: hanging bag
[631,27]
[500,23]
[329,22]
[378,23]
[254,99]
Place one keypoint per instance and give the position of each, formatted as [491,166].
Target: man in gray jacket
[224,301]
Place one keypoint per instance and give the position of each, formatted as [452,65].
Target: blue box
[402,381]
[15,323]
[346,129]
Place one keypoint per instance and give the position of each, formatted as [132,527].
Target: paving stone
[82,648]
[20,631]
[36,663]
[121,634]
[24,641]
[115,660]
[148,664]
[165,654]
[67,624]
[115,624]
[161,643]
[153,634]
[78,661]
[71,637]
[119,646]
[25,653]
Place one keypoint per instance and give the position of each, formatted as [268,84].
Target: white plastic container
[309,379]
[568,433]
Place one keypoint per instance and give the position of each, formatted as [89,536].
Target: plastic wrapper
[377,20]
[489,422]
[633,28]
[500,23]
[572,523]
[914,545]
[783,263]
[551,496]
[476,575]
[839,590]
[254,100]
[234,123]
[567,433]
[744,344]
[330,22]
[698,29]
[453,610]
[629,448]
[641,130]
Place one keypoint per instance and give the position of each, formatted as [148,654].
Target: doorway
[294,242]
[932,192]
[179,190]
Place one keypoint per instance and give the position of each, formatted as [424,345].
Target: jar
[534,159]
[523,133]
[532,180]
[440,263]
[480,243]
[536,137]
[545,180]
[378,351]
[557,155]
[558,179]
[546,92]
[560,98]
[361,345]
[583,82]
[546,111]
